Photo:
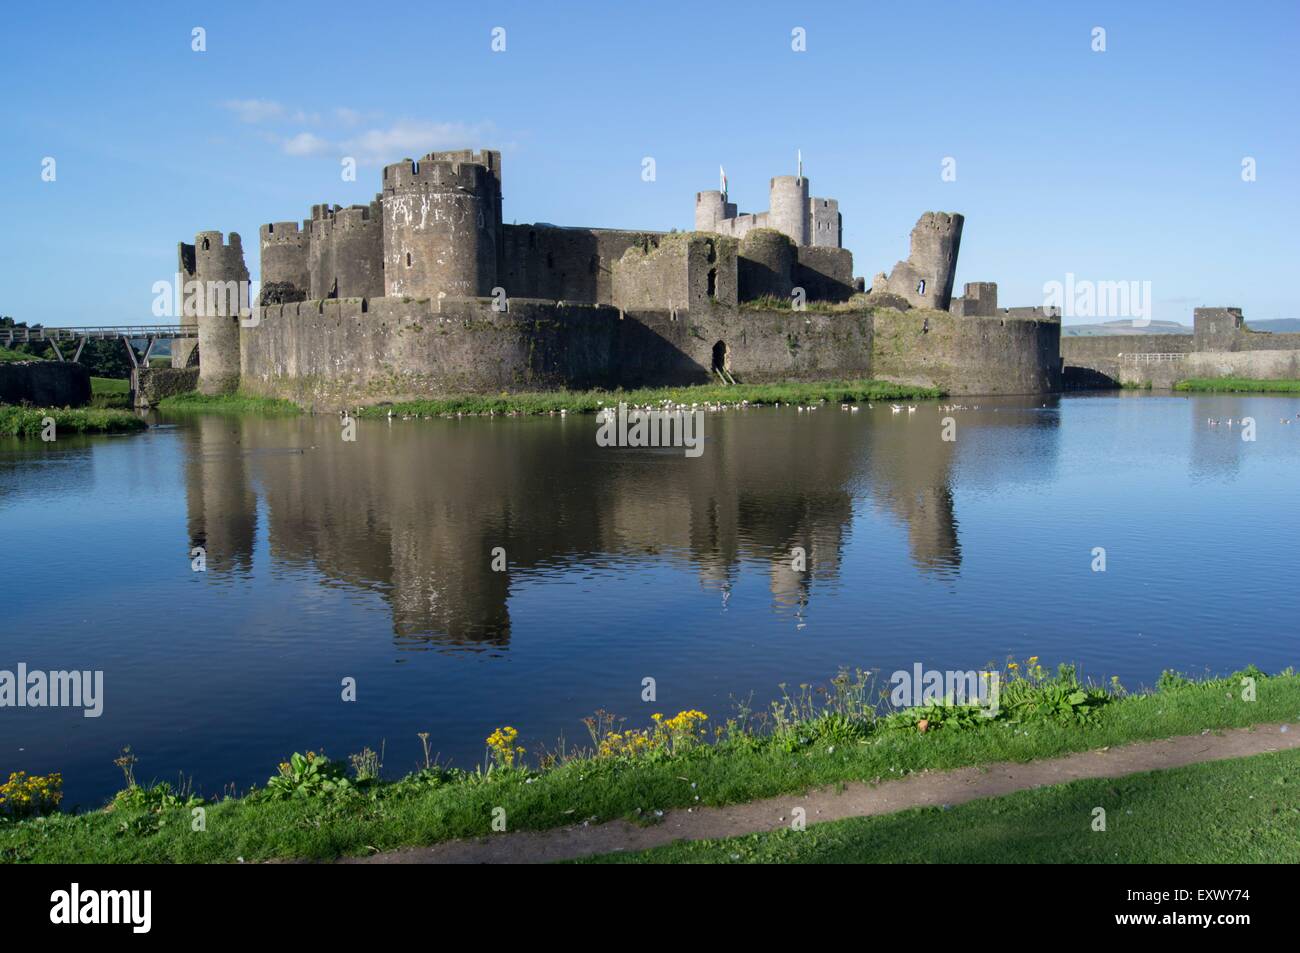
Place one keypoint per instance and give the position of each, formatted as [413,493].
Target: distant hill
[1276,325]
[1125,326]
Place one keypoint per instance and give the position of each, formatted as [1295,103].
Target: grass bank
[316,808]
[195,402]
[30,421]
[1238,385]
[1240,811]
[591,401]
[110,392]
[7,355]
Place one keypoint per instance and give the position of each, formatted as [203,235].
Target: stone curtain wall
[565,264]
[44,383]
[967,355]
[765,346]
[1222,346]
[327,354]
[155,383]
[331,354]
[695,270]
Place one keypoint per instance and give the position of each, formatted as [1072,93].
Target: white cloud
[414,138]
[375,145]
[255,110]
[306,144]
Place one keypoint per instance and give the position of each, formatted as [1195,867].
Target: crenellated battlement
[352,218]
[934,227]
[490,159]
[411,175]
[285,233]
[208,241]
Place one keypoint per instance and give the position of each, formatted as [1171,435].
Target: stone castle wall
[1222,345]
[334,353]
[967,355]
[565,264]
[695,270]
[44,383]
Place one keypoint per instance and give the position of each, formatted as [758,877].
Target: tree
[102,358]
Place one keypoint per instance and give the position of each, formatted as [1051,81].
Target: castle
[427,291]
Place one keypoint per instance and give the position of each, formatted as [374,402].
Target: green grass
[592,401]
[7,355]
[194,402]
[1240,811]
[1239,385]
[110,392]
[29,421]
[818,749]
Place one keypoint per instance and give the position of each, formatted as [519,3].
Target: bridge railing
[1151,358]
[11,335]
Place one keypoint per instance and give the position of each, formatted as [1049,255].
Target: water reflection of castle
[413,511]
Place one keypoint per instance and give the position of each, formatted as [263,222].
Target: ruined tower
[185,349]
[788,209]
[442,225]
[346,257]
[926,278]
[222,297]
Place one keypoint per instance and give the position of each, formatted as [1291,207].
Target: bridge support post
[135,370]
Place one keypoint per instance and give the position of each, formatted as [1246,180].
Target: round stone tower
[285,248]
[766,264]
[788,210]
[441,224]
[710,209]
[223,287]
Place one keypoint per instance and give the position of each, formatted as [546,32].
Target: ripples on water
[372,560]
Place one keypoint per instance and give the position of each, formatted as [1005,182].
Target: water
[372,560]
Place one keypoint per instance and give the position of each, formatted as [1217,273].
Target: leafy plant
[1061,698]
[308,775]
[839,729]
[938,714]
[153,799]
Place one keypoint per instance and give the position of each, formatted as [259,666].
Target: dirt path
[929,789]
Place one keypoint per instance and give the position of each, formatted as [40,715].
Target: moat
[373,560]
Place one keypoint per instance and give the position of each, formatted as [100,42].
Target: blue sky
[1122,165]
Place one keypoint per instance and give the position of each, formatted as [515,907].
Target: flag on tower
[723,173]
[800,153]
